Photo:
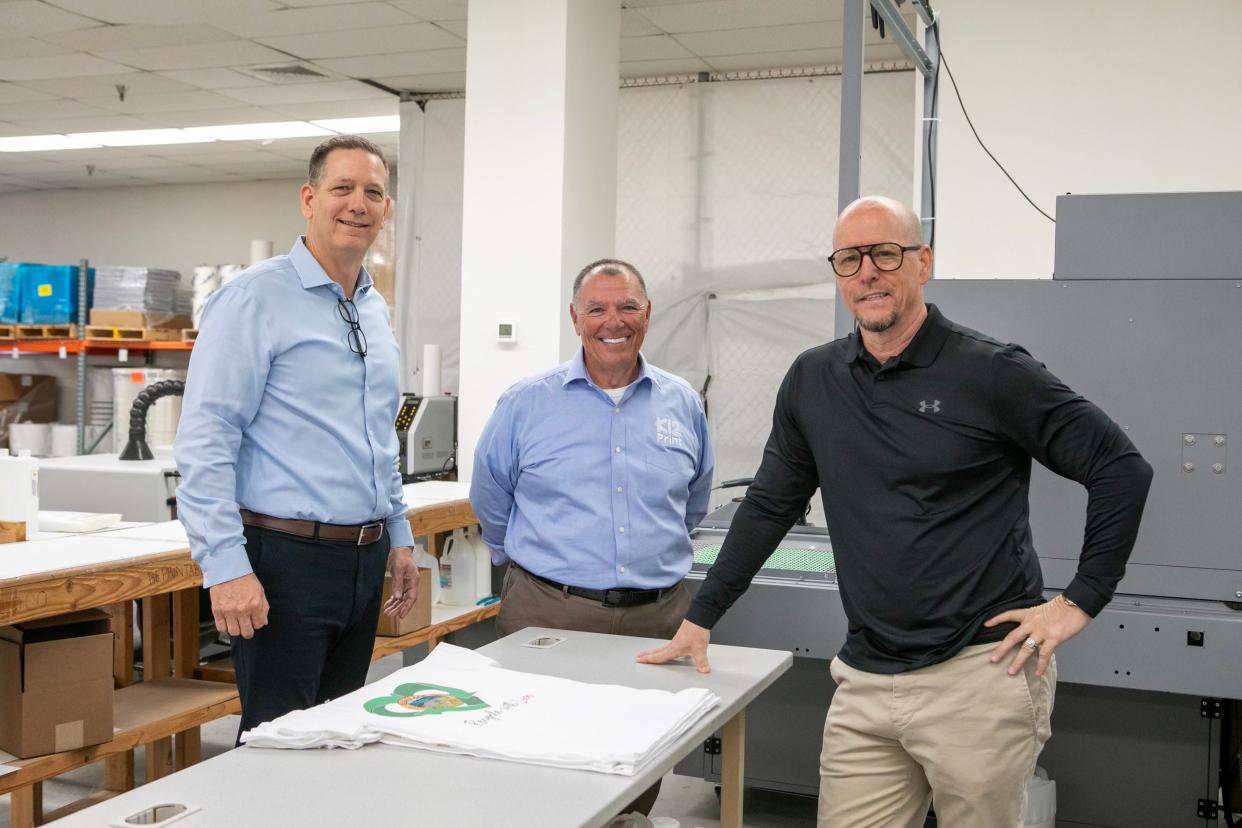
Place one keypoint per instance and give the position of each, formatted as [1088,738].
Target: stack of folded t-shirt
[458,701]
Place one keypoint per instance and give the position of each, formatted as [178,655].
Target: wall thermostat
[506,330]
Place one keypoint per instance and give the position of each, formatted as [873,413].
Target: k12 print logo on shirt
[668,432]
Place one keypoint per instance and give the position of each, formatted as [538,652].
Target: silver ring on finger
[1031,644]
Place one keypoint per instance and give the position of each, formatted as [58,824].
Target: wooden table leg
[119,769]
[156,665]
[26,806]
[188,746]
[732,771]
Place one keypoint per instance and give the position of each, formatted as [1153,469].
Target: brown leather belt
[358,535]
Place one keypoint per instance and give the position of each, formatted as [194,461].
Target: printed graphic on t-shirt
[424,700]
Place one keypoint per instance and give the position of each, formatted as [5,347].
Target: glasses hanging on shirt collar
[348,311]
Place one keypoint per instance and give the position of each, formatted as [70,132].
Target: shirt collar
[312,274]
[923,348]
[576,370]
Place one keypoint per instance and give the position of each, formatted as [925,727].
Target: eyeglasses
[886,256]
[357,339]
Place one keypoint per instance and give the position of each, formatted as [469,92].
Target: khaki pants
[528,602]
[962,734]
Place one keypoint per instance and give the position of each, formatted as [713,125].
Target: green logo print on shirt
[424,700]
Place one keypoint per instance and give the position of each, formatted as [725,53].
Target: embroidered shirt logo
[424,700]
[926,407]
[668,432]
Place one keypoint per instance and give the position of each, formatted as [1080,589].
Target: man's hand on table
[404,572]
[691,640]
[239,605]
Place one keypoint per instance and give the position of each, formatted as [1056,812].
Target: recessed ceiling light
[35,143]
[140,137]
[259,132]
[362,126]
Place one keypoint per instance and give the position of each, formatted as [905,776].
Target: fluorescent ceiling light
[259,132]
[35,143]
[362,126]
[140,137]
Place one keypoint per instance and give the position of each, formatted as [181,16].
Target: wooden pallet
[110,333]
[7,331]
[189,334]
[46,331]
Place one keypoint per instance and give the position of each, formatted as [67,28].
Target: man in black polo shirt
[920,434]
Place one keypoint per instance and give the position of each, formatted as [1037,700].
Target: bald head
[900,216]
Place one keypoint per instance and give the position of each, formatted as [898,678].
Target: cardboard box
[26,398]
[121,318]
[56,684]
[420,615]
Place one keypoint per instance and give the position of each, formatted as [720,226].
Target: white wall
[1082,97]
[173,226]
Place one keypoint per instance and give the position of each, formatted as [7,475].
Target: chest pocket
[677,462]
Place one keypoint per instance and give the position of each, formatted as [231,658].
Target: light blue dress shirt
[280,417]
[574,487]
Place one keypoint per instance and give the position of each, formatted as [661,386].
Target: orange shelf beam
[73,346]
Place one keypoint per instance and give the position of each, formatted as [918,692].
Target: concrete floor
[689,800]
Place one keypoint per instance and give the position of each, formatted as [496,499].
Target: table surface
[382,785]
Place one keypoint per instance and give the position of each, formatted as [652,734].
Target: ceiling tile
[212,78]
[202,153]
[304,92]
[292,21]
[407,38]
[407,63]
[139,163]
[214,117]
[196,56]
[54,108]
[436,10]
[338,109]
[163,11]
[656,68]
[738,14]
[11,93]
[807,36]
[304,3]
[30,18]
[9,130]
[23,47]
[114,38]
[99,86]
[96,123]
[633,23]
[56,66]
[652,47]
[457,27]
[438,82]
[164,102]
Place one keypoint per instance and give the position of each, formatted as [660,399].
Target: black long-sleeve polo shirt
[924,465]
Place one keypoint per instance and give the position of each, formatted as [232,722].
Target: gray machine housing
[426,435]
[1135,736]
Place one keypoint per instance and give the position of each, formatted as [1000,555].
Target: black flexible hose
[136,448]
[1228,761]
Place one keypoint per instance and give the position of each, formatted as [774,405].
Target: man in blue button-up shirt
[291,496]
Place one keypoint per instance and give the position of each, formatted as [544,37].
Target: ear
[304,197]
[647,315]
[925,264]
[573,317]
[387,211]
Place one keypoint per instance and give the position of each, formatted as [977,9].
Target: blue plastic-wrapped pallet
[10,295]
[49,293]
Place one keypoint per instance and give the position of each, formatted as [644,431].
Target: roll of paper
[431,371]
[260,249]
[64,441]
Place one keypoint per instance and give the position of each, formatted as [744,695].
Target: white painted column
[409,167]
[539,188]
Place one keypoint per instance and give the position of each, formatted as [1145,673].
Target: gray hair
[609,267]
[340,142]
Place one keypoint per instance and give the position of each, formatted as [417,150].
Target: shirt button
[618,449]
[621,529]
[618,488]
[620,568]
[617,410]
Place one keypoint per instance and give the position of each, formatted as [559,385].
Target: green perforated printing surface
[789,558]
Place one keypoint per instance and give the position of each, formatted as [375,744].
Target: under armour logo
[926,407]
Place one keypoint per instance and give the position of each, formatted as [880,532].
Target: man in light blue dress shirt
[291,496]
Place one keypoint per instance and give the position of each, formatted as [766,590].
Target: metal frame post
[849,168]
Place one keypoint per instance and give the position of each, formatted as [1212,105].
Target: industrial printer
[1144,318]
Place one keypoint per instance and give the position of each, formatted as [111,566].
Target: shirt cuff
[224,565]
[1086,597]
[399,532]
[704,616]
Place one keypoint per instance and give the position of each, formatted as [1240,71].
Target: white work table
[381,785]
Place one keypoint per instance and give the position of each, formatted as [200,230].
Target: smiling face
[881,300]
[611,314]
[347,207]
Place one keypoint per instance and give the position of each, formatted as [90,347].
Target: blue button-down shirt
[592,493]
[280,417]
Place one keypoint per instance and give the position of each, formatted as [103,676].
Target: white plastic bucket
[1041,801]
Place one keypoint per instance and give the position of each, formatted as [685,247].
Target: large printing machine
[1144,318]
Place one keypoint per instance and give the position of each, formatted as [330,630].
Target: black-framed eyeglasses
[348,311]
[886,256]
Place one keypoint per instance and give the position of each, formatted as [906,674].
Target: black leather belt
[360,535]
[616,597]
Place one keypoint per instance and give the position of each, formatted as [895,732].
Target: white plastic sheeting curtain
[726,196]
